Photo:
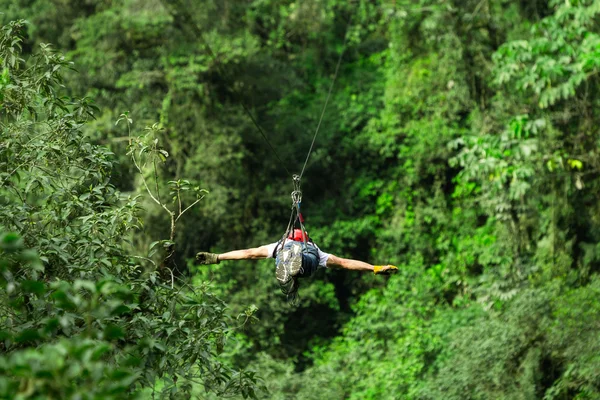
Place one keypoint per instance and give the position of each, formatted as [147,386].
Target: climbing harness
[295,217]
[296,203]
[289,259]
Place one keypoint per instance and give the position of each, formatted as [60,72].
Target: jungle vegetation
[460,143]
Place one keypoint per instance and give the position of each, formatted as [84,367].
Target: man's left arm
[348,263]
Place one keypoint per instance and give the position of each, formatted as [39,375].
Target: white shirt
[323,257]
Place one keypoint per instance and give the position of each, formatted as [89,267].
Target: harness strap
[295,217]
[285,234]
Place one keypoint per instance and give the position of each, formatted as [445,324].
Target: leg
[310,262]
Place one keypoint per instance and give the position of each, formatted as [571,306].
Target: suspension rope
[337,67]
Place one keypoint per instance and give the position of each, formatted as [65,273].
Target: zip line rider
[296,256]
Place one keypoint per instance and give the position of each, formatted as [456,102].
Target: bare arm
[246,254]
[347,263]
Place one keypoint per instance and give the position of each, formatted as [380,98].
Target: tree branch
[191,205]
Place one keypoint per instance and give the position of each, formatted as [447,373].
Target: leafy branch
[145,150]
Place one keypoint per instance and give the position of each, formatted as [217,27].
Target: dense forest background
[460,143]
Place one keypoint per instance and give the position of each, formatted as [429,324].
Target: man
[296,256]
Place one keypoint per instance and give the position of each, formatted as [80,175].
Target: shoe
[296,259]
[289,263]
[281,272]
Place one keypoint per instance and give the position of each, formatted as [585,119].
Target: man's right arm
[246,254]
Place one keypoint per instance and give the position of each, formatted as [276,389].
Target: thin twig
[156,179]
[144,258]
[179,200]
[18,194]
[187,285]
[191,205]
[172,277]
[142,175]
[13,171]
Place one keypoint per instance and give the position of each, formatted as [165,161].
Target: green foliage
[572,339]
[561,55]
[84,319]
[460,144]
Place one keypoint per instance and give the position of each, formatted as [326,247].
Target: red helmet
[296,235]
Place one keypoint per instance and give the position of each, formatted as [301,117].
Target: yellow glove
[385,269]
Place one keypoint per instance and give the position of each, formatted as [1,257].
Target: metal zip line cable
[337,67]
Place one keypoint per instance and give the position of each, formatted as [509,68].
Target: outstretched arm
[246,254]
[348,263]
